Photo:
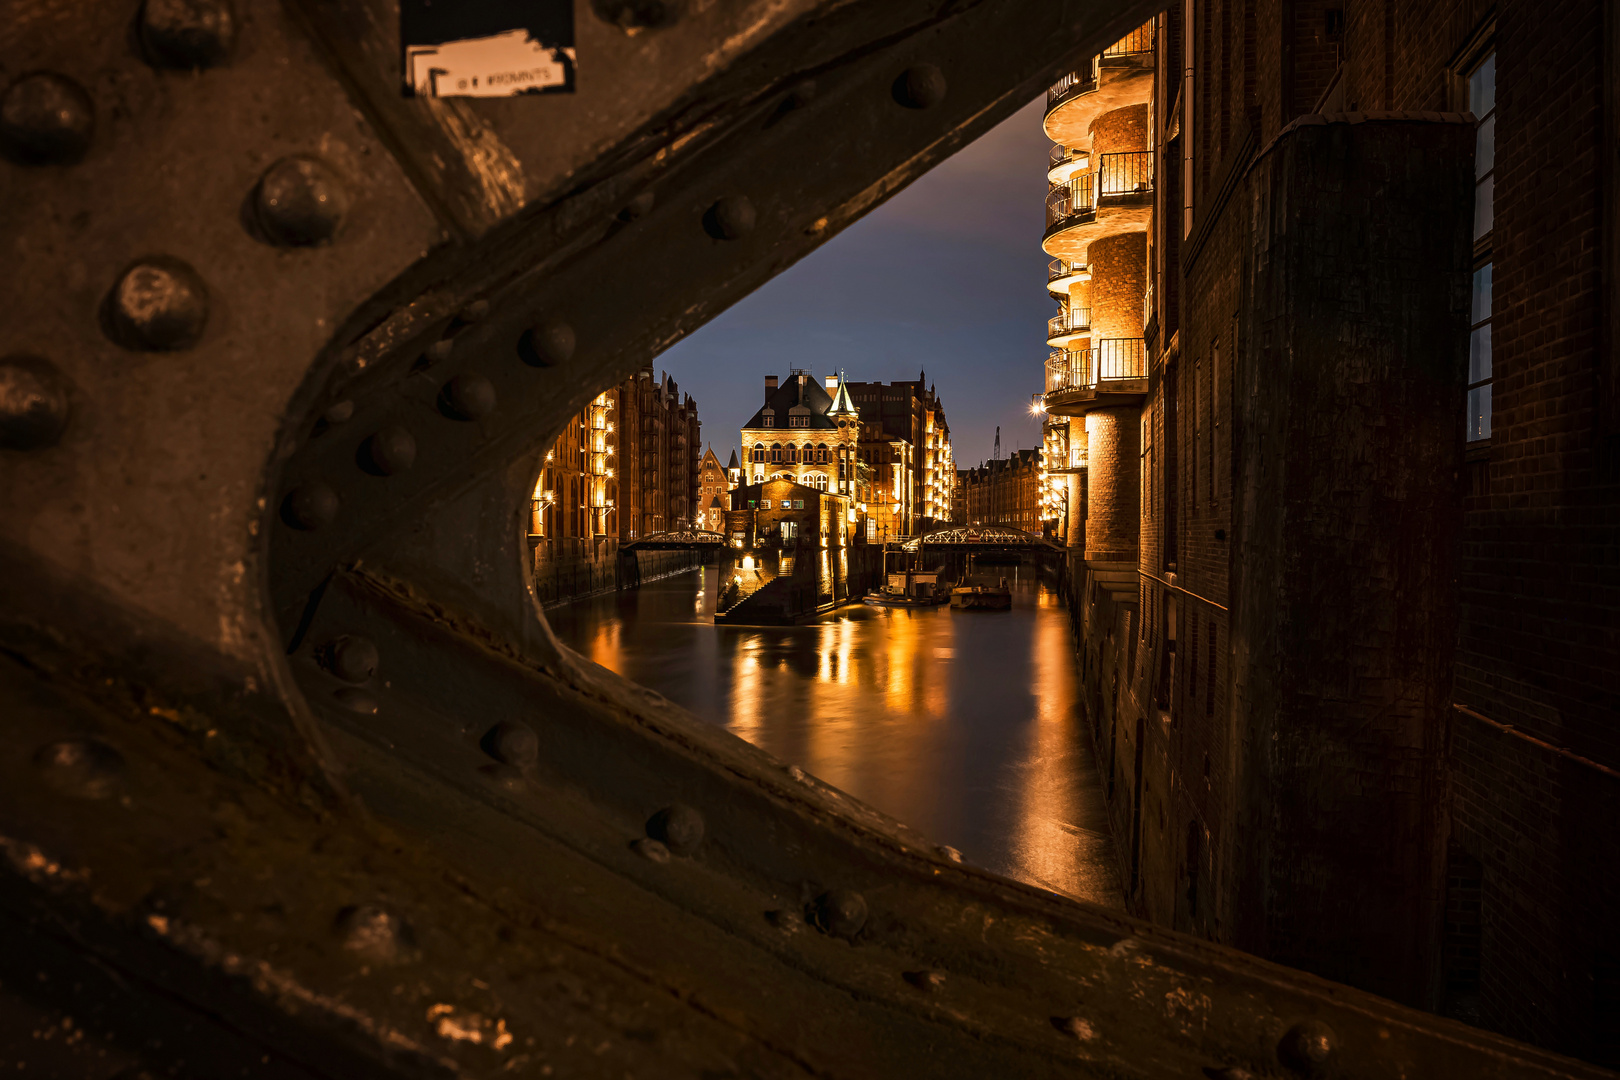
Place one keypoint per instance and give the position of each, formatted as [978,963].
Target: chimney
[832,382]
[770,386]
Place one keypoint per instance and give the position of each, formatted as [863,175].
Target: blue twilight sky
[946,277]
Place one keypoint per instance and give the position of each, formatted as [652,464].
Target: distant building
[793,531]
[886,478]
[624,467]
[912,411]
[1005,492]
[713,486]
[805,432]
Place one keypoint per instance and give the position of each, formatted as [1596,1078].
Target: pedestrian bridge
[700,539]
[980,538]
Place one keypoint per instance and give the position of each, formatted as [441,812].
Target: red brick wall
[1112,440]
[1118,278]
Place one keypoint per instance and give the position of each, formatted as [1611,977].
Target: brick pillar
[1122,131]
[1113,498]
[1346,518]
[1076,536]
[1118,284]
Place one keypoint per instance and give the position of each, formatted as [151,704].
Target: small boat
[982,597]
[914,588]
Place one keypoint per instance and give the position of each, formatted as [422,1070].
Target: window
[759,451]
[787,504]
[776,452]
[1482,103]
[798,421]
[790,529]
[751,504]
[798,504]
[1479,358]
[768,421]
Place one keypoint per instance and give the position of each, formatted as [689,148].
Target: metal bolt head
[512,742]
[840,912]
[339,412]
[389,452]
[468,396]
[352,658]
[921,86]
[1077,1027]
[730,218]
[84,768]
[375,934]
[300,202]
[187,34]
[159,304]
[634,16]
[1307,1045]
[547,344]
[34,403]
[310,506]
[678,827]
[46,119]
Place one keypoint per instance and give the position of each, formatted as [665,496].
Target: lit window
[1479,358]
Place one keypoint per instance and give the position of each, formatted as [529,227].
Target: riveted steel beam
[289,336]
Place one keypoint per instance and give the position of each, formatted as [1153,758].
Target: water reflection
[964,725]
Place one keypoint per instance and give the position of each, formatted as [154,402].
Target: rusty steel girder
[296,781]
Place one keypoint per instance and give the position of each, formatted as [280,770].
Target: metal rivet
[375,934]
[468,396]
[441,350]
[159,304]
[650,849]
[1075,1027]
[548,344]
[925,980]
[84,768]
[474,312]
[352,658]
[338,412]
[34,403]
[1306,1045]
[840,912]
[802,93]
[639,206]
[357,701]
[795,774]
[948,852]
[921,86]
[512,742]
[310,506]
[388,452]
[187,34]
[730,218]
[679,826]
[46,119]
[633,16]
[300,202]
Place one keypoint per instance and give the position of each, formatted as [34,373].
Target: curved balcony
[1062,275]
[1122,75]
[1067,326]
[1112,372]
[1116,196]
[1064,162]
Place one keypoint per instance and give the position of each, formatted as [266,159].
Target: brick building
[1004,492]
[713,485]
[913,412]
[804,432]
[885,484]
[625,467]
[1337,352]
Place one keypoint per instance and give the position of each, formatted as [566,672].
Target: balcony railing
[1139,40]
[1073,321]
[1124,174]
[1070,200]
[1073,84]
[1108,360]
[1059,269]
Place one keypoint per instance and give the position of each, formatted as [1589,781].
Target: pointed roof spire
[842,402]
[733,464]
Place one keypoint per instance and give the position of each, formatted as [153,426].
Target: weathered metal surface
[296,782]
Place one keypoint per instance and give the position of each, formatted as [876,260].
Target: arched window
[759,451]
[792,454]
[776,451]
[819,480]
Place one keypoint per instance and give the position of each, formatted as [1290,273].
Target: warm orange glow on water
[964,725]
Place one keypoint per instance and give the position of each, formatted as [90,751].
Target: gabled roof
[708,456]
[801,390]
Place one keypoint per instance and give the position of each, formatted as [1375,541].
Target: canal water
[965,725]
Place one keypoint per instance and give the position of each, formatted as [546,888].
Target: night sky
[946,277]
